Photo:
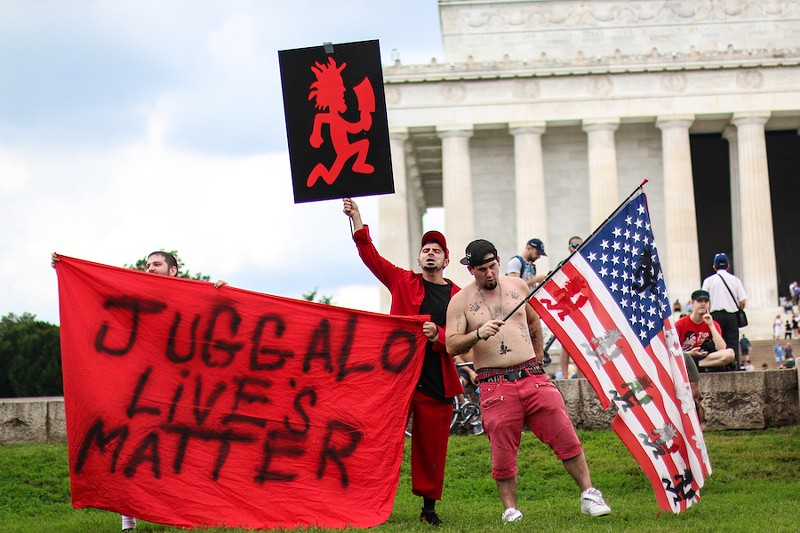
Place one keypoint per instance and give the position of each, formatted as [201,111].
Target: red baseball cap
[438,238]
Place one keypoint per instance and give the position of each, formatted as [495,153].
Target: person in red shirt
[701,336]
[426,293]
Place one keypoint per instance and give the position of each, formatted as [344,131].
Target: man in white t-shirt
[726,292]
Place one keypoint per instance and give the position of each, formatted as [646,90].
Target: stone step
[762,352]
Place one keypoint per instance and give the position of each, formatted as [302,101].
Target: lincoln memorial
[544,115]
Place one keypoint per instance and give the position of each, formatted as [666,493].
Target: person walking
[744,347]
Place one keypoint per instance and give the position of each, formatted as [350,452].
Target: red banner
[188,405]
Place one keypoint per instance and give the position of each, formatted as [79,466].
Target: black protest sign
[336,121]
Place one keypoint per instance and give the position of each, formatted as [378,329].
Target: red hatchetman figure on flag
[328,91]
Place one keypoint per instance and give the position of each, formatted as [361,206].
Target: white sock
[128,522]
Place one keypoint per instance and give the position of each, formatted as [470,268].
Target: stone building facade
[544,115]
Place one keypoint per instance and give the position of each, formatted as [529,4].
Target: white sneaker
[592,503]
[511,515]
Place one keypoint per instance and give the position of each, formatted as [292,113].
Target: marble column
[603,183]
[459,222]
[756,268]
[393,215]
[416,208]
[531,209]
[729,134]
[681,262]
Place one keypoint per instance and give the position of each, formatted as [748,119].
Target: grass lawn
[755,487]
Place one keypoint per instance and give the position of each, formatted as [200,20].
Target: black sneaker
[430,517]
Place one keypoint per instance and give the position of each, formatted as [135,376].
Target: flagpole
[589,238]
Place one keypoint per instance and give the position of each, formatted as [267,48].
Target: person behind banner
[515,391]
[163,264]
[701,336]
[427,293]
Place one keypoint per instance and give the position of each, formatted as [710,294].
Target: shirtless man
[514,388]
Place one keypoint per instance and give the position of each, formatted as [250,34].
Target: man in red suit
[427,293]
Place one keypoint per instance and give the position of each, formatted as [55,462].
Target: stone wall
[32,420]
[733,400]
[566,30]
[736,400]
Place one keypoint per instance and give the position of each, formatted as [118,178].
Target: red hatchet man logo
[564,303]
[329,91]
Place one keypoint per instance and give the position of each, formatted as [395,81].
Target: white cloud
[129,126]
[228,217]
[14,174]
[234,46]
[364,297]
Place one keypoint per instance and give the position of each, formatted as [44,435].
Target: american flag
[608,306]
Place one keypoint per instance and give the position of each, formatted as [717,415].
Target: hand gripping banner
[188,405]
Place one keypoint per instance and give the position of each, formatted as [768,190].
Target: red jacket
[407,291]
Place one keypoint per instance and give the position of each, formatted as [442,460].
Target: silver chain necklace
[503,347]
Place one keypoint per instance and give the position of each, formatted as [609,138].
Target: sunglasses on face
[575,244]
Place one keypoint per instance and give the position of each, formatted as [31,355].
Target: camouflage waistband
[533,365]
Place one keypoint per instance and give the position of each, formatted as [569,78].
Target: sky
[130,126]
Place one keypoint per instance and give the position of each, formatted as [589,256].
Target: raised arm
[716,335]
[351,210]
[383,269]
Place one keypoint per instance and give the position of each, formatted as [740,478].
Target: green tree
[311,296]
[30,357]
[182,273]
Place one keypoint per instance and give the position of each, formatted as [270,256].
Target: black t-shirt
[431,381]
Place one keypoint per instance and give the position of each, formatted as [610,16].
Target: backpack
[522,266]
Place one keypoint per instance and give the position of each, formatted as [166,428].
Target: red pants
[429,434]
[535,402]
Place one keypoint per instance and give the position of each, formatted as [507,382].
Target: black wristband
[478,334]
